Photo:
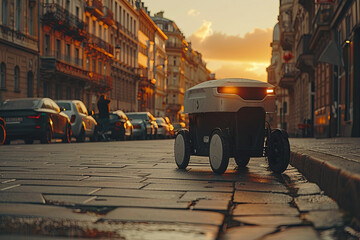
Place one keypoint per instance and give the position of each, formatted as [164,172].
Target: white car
[82,124]
[163,128]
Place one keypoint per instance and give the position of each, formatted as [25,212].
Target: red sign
[324,1]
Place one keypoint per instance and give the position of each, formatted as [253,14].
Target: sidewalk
[334,164]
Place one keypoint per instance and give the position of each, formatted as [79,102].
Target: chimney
[159,14]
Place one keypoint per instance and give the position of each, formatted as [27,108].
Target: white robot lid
[233,82]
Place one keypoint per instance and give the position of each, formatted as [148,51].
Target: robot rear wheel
[219,152]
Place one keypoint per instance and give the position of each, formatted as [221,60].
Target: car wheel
[182,148]
[47,136]
[68,134]
[278,151]
[81,137]
[219,152]
[2,134]
[242,161]
[29,141]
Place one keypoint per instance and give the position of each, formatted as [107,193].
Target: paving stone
[41,176]
[20,197]
[66,199]
[115,192]
[261,187]
[192,196]
[315,202]
[215,205]
[247,232]
[187,187]
[269,220]
[294,233]
[264,209]
[53,189]
[137,202]
[95,184]
[188,182]
[325,219]
[161,215]
[307,188]
[260,197]
[36,210]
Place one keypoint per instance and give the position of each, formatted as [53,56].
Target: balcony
[100,45]
[321,26]
[102,82]
[305,59]
[287,75]
[60,19]
[108,17]
[95,8]
[174,107]
[174,46]
[287,38]
[60,64]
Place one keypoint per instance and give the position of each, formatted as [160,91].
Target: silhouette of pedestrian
[104,112]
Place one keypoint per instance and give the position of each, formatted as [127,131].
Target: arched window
[16,78]
[4,11]
[2,75]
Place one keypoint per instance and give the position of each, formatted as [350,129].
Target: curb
[339,178]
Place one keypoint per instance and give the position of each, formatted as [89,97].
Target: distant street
[133,190]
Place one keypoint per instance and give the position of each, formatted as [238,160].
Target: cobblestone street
[133,190]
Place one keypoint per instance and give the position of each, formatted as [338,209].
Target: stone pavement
[333,164]
[133,190]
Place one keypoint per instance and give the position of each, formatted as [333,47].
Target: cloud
[204,32]
[193,12]
[252,47]
[241,70]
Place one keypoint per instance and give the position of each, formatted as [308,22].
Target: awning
[332,55]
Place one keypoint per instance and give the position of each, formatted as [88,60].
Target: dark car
[144,123]
[35,118]
[120,128]
[2,131]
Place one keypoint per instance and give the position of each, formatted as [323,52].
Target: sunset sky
[233,35]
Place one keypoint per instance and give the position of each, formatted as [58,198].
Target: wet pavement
[133,190]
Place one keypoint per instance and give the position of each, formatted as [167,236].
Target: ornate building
[19,49]
[185,67]
[323,74]
[280,119]
[124,36]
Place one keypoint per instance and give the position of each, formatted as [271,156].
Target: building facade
[324,74]
[19,49]
[185,67]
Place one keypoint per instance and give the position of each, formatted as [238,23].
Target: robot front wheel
[182,148]
[219,152]
[278,151]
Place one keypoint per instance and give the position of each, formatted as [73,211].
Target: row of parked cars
[45,119]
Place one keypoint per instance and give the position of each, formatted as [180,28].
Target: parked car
[35,118]
[82,123]
[119,128]
[145,126]
[178,127]
[2,131]
[171,127]
[126,127]
[163,128]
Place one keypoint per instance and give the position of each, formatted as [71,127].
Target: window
[4,9]
[18,15]
[94,27]
[100,31]
[87,20]
[68,93]
[77,60]
[175,61]
[47,45]
[46,89]
[87,64]
[100,68]
[77,12]
[58,91]
[94,65]
[77,93]
[116,10]
[58,48]
[67,52]
[2,75]
[16,78]
[31,21]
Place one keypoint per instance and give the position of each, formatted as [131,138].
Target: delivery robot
[227,119]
